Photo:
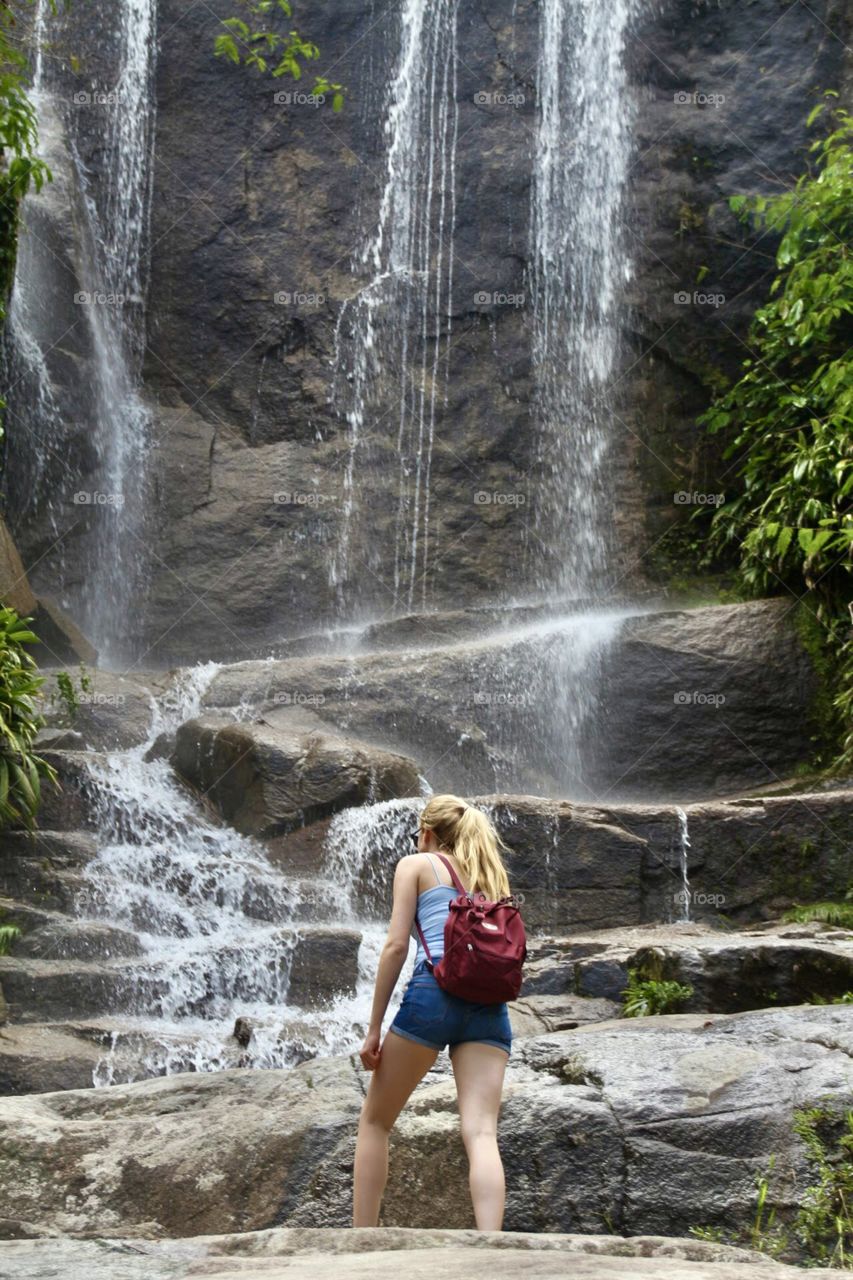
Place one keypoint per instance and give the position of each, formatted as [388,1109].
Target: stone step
[323,964]
[64,939]
[730,972]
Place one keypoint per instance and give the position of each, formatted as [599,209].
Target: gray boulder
[266,780]
[626,1127]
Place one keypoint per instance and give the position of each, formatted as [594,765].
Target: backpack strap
[423,943]
[454,877]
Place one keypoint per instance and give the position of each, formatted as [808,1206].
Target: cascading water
[683,894]
[392,337]
[579,263]
[99,478]
[218,924]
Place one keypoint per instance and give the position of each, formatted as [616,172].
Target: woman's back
[433,905]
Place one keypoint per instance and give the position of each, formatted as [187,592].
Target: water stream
[683,894]
[89,444]
[579,264]
[393,335]
[217,922]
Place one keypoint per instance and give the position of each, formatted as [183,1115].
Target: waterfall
[79,445]
[217,923]
[683,894]
[393,336]
[579,264]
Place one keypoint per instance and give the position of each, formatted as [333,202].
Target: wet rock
[267,780]
[113,713]
[728,970]
[44,1059]
[243,1028]
[77,940]
[727,690]
[322,961]
[43,869]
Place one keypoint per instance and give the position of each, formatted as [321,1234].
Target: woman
[428,1018]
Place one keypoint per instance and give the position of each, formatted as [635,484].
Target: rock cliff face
[259,208]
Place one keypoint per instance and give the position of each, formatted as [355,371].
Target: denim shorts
[432,1016]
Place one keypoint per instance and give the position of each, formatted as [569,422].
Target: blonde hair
[468,834]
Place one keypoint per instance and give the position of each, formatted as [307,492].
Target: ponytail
[468,834]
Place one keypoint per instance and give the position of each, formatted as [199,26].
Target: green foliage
[67,691]
[824,1223]
[20,166]
[8,934]
[644,997]
[260,44]
[21,770]
[823,1227]
[837,913]
[789,417]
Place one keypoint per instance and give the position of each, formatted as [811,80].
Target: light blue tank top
[431,913]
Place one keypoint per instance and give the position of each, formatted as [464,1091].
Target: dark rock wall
[282,196]
[255,199]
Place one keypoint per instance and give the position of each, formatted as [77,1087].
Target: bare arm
[396,946]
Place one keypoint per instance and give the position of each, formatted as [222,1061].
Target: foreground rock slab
[649,1126]
[294,1254]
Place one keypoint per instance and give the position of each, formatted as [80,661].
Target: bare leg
[402,1064]
[479,1070]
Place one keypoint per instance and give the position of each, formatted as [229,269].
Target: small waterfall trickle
[579,264]
[393,336]
[683,894]
[78,448]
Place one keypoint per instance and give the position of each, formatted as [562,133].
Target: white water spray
[579,264]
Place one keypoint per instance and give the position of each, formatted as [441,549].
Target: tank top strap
[434,872]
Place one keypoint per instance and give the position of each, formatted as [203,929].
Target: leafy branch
[256,43]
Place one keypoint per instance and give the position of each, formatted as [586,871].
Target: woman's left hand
[370,1051]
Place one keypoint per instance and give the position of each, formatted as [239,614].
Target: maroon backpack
[484,947]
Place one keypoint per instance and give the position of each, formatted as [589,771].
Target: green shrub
[824,1224]
[837,913]
[8,934]
[21,770]
[789,417]
[644,997]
